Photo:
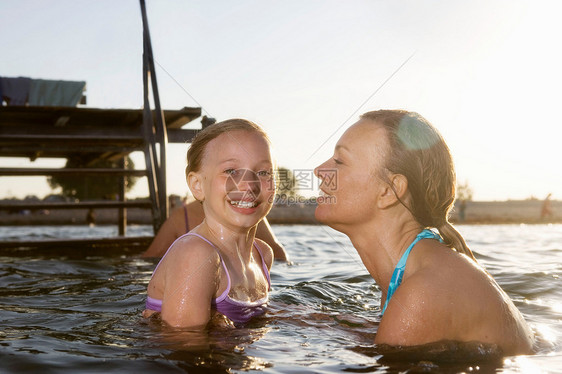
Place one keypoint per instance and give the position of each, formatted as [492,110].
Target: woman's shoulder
[433,260]
[442,272]
[421,308]
[194,212]
[463,304]
[177,221]
[443,286]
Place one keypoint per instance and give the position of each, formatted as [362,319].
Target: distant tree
[92,187]
[286,182]
[464,191]
[464,194]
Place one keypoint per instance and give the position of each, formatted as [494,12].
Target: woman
[395,188]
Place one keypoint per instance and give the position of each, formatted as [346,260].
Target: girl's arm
[190,284]
[265,233]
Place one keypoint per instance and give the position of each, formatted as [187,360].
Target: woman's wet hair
[418,152]
[199,143]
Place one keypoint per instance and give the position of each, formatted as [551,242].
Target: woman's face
[237,179]
[350,179]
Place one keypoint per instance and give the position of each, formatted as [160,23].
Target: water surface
[81,313]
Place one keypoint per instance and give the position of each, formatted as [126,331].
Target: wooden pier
[91,135]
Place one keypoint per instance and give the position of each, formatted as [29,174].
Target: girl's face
[350,179]
[236,179]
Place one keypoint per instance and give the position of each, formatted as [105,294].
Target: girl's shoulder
[192,250]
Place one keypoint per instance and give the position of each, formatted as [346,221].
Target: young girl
[219,271]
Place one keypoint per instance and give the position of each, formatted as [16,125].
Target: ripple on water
[82,314]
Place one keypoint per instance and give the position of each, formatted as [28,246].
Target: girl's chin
[250,216]
[245,211]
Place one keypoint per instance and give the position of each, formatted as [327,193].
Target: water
[81,314]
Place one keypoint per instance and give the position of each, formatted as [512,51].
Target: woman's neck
[380,245]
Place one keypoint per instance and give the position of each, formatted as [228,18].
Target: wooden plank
[70,171]
[94,136]
[35,129]
[115,246]
[78,205]
[15,116]
[105,137]
[67,148]
[88,242]
[63,150]
[181,136]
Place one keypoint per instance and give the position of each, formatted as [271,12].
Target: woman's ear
[195,184]
[393,192]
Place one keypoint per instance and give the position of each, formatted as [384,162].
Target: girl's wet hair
[199,143]
[418,152]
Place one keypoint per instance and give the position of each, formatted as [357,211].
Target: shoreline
[477,212]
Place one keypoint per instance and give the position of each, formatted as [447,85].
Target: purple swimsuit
[237,311]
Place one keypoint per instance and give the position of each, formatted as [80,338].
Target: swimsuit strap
[227,290]
[401,265]
[186,220]
[224,295]
[263,265]
[167,250]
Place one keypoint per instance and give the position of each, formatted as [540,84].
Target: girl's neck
[232,242]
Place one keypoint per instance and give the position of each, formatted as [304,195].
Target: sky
[486,73]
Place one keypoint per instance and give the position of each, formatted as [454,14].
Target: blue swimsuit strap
[401,265]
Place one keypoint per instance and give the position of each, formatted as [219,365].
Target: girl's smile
[236,179]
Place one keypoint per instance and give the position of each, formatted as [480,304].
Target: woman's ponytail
[454,239]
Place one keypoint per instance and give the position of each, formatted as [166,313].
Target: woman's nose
[319,170]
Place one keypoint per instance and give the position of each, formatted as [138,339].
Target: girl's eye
[338,162]
[263,173]
[230,171]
